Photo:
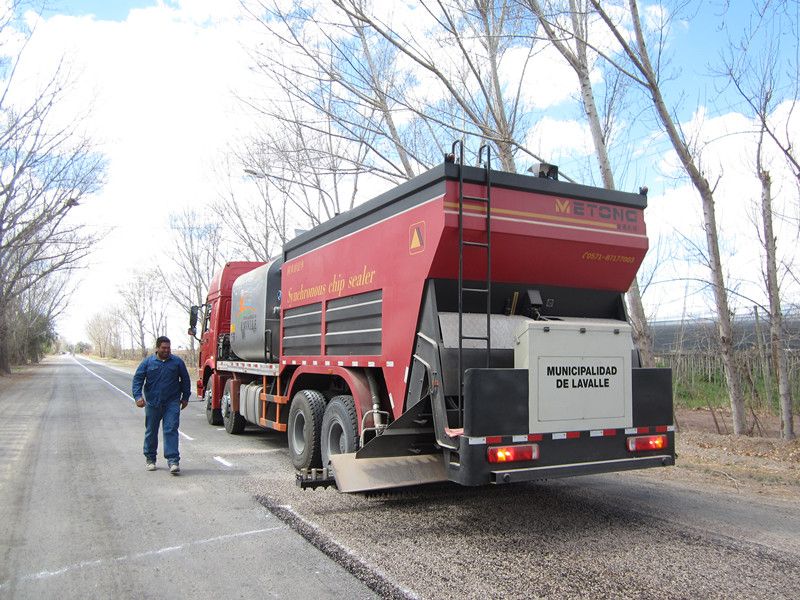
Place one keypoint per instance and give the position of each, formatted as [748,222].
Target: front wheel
[234,422]
[213,415]
[339,428]
[305,423]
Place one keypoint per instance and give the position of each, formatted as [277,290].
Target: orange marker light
[647,442]
[506,454]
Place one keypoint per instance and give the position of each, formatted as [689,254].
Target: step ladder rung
[475,337]
[476,198]
[477,244]
[476,290]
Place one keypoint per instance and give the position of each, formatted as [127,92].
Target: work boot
[174,468]
[150,466]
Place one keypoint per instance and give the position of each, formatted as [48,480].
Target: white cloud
[727,145]
[159,89]
[558,140]
[549,79]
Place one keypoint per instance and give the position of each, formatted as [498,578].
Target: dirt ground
[758,464]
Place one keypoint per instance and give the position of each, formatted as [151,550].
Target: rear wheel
[213,415]
[339,428]
[305,424]
[234,422]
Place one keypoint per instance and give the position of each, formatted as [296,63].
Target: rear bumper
[588,468]
[581,454]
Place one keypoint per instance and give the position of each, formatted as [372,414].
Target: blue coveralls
[166,385]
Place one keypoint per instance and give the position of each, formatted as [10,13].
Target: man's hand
[140,403]
[184,404]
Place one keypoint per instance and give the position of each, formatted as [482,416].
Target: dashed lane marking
[93,563]
[222,461]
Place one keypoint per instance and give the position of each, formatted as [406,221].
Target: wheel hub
[298,433]
[336,441]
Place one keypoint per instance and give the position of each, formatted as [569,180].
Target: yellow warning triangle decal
[416,241]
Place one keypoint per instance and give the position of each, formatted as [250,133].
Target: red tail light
[647,442]
[506,454]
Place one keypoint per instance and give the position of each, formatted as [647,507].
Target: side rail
[438,407]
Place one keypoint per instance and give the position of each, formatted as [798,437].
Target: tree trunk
[780,365]
[5,362]
[641,329]
[579,62]
[725,328]
[724,324]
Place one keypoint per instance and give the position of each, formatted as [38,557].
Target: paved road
[81,518]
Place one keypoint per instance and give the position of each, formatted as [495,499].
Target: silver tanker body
[255,306]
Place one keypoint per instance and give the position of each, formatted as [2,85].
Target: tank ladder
[481,288]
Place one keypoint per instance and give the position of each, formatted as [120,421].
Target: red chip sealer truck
[468,325]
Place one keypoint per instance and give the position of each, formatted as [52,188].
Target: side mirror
[192,331]
[193,312]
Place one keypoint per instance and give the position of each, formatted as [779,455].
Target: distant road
[81,518]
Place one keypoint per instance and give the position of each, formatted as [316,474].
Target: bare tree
[569,34]
[103,329]
[634,59]
[135,309]
[764,77]
[303,175]
[197,253]
[46,168]
[777,337]
[35,311]
[402,91]
[340,80]
[253,228]
[464,53]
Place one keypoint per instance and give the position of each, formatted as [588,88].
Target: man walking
[167,389]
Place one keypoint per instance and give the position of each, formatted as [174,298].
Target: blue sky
[110,10]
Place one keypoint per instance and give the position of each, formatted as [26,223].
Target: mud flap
[364,474]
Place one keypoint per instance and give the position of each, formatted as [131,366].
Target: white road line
[222,461]
[100,364]
[186,436]
[92,563]
[88,370]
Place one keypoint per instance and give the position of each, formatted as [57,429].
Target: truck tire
[339,428]
[305,425]
[213,415]
[233,421]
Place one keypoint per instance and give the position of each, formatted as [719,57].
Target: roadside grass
[704,392]
[700,394]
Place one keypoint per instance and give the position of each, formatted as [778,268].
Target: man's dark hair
[161,339]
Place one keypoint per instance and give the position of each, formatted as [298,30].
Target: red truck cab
[216,322]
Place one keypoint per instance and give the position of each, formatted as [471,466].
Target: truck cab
[216,323]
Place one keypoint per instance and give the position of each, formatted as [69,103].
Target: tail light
[517,453]
[644,443]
